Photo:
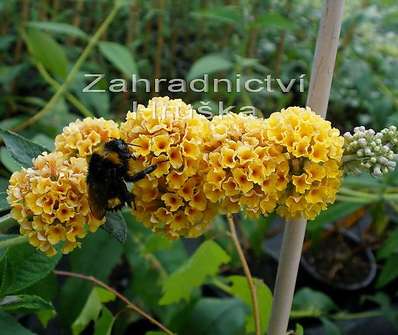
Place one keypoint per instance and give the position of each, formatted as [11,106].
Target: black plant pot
[357,271]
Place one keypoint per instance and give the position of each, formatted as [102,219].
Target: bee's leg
[140,175]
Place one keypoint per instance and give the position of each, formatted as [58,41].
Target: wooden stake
[318,98]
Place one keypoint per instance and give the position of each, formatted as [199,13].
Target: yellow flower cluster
[50,202]
[315,150]
[244,168]
[80,138]
[289,163]
[171,134]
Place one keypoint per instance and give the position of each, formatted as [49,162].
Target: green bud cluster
[368,151]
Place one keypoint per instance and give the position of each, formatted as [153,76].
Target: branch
[129,304]
[246,270]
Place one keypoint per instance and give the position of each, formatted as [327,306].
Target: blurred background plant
[47,46]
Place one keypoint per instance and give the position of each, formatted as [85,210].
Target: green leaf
[330,328]
[154,333]
[8,161]
[299,329]
[205,262]
[335,212]
[389,271]
[116,226]
[313,301]
[211,316]
[24,301]
[207,65]
[22,266]
[390,246]
[120,56]
[47,52]
[20,148]
[97,257]
[240,289]
[91,309]
[274,20]
[58,27]
[104,324]
[4,205]
[222,14]
[10,326]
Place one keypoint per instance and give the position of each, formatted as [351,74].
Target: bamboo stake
[318,97]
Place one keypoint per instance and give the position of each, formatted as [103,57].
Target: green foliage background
[200,289]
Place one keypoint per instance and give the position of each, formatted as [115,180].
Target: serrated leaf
[91,309]
[116,226]
[24,301]
[58,27]
[47,52]
[211,316]
[205,262]
[10,326]
[240,289]
[22,266]
[120,56]
[207,65]
[313,301]
[20,148]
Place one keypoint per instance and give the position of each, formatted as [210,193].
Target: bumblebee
[107,177]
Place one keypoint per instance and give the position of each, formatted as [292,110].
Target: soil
[338,259]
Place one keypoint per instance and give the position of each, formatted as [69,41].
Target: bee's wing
[98,199]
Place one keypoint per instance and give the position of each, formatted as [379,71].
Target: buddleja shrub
[291,164]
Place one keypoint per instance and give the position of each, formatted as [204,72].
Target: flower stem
[74,71]
[246,270]
[13,241]
[129,304]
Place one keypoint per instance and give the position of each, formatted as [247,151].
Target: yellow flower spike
[178,136]
[314,150]
[57,185]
